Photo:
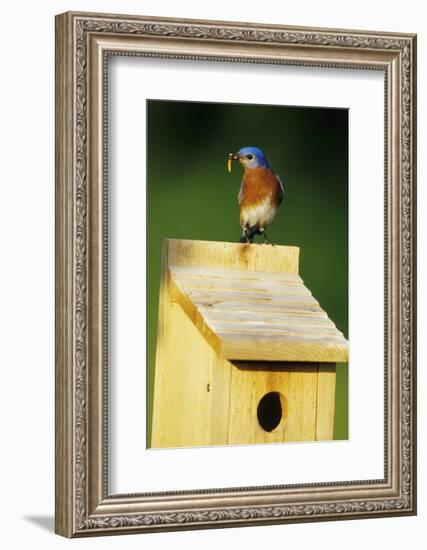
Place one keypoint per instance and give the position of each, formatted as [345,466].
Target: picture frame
[84,506]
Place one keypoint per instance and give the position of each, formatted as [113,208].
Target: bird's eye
[249,157]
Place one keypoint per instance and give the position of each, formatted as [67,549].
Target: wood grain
[183,377]
[325,402]
[297,386]
[236,256]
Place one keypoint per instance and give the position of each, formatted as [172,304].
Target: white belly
[257,216]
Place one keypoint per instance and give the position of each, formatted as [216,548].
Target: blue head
[251,157]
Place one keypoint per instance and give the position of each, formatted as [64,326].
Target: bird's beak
[231,157]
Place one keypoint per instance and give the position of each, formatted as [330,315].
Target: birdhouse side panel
[182,400]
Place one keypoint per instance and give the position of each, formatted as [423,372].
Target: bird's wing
[281,191]
[240,195]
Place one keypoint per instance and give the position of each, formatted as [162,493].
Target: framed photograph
[235,274]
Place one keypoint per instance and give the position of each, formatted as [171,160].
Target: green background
[190,195]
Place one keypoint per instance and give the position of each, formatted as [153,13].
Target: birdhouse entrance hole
[270,411]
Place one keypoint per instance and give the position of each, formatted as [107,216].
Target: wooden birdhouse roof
[249,302]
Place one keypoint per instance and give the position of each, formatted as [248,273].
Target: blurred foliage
[190,195]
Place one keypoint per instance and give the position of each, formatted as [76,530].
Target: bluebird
[260,195]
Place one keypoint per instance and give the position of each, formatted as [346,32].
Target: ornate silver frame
[83,43]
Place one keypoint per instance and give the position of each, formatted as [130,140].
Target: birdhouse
[245,354]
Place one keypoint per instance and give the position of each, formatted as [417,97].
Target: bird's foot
[246,238]
[266,239]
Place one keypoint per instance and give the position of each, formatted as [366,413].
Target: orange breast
[259,185]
